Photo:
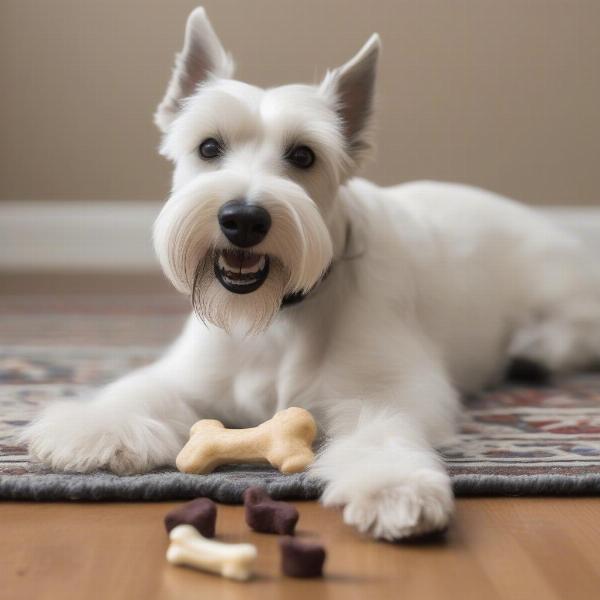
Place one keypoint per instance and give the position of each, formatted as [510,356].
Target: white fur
[433,288]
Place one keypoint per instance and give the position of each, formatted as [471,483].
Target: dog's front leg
[387,477]
[381,466]
[138,422]
[131,426]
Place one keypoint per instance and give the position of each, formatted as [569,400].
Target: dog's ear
[202,56]
[352,88]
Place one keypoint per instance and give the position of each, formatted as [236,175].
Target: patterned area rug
[514,440]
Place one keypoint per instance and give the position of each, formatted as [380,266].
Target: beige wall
[500,93]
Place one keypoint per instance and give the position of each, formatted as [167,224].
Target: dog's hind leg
[561,330]
[558,339]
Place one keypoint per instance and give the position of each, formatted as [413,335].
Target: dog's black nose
[244,224]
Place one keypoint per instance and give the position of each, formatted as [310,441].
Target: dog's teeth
[238,276]
[257,268]
[239,282]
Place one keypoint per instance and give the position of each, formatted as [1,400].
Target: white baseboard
[77,236]
[115,236]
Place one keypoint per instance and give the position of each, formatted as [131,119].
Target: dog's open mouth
[240,271]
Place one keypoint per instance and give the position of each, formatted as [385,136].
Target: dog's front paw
[422,503]
[83,438]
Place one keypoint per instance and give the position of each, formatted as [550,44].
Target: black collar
[297,297]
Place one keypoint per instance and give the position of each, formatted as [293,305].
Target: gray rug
[228,486]
[514,440]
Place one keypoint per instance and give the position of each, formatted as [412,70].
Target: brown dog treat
[301,559]
[266,515]
[200,513]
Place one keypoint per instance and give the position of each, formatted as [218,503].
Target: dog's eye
[210,148]
[300,156]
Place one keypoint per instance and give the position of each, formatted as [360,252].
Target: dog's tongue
[238,259]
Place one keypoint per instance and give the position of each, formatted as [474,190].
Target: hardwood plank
[496,548]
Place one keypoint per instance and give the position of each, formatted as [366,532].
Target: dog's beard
[297,250]
[228,303]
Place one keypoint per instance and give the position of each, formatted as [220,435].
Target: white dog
[372,307]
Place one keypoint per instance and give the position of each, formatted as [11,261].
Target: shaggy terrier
[374,308]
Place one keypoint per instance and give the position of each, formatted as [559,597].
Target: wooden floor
[534,549]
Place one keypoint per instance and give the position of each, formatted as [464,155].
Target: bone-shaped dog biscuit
[189,548]
[285,441]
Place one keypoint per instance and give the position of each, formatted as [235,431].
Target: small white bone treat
[189,548]
[285,442]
